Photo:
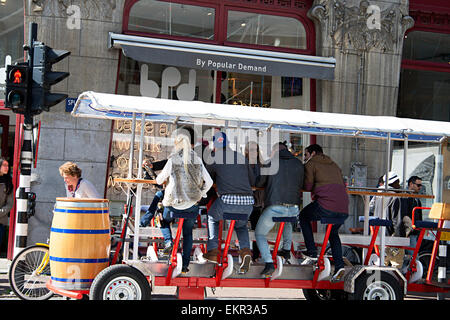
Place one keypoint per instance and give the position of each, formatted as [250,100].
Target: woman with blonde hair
[76,187]
[187,182]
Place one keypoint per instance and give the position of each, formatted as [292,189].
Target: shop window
[265,30]
[425,77]
[427,47]
[173,19]
[424,95]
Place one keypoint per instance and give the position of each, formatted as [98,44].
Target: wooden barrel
[79,242]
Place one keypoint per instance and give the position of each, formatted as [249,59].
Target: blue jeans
[188,226]
[314,211]
[413,238]
[215,214]
[145,219]
[265,224]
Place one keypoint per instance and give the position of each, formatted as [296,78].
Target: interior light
[2,2]
[243,24]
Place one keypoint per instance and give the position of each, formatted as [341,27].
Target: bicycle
[29,273]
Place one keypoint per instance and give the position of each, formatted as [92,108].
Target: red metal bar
[435,250]
[152,224]
[224,258]
[124,227]
[414,210]
[413,265]
[320,260]
[249,283]
[277,243]
[372,244]
[78,294]
[173,257]
[191,293]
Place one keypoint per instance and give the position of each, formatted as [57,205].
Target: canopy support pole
[386,186]
[405,161]
[126,245]
[137,210]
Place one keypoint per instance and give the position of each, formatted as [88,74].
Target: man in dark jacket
[324,179]
[407,205]
[234,180]
[282,199]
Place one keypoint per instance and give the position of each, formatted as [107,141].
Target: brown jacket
[324,178]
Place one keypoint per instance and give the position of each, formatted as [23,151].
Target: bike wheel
[29,273]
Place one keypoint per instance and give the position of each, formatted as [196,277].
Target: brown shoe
[246,259]
[212,255]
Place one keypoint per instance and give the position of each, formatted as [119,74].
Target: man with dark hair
[324,179]
[282,199]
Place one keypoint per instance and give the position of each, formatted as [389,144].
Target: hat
[392,177]
[220,140]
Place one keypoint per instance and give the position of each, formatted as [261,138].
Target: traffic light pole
[28,92]
[23,191]
[26,160]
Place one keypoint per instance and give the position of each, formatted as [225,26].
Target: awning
[112,106]
[231,59]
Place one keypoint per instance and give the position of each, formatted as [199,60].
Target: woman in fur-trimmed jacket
[188,182]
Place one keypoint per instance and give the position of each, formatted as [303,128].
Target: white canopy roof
[112,106]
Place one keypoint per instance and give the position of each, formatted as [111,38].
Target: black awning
[230,59]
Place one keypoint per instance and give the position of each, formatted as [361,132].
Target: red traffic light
[18,75]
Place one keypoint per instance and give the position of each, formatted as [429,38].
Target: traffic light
[43,77]
[17,84]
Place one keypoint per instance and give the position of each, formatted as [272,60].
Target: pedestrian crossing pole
[26,160]
[39,98]
[23,191]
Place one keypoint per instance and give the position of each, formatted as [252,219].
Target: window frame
[126,19]
[221,23]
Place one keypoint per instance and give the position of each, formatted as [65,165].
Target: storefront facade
[178,50]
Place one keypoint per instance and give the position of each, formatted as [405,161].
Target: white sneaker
[308,260]
[338,275]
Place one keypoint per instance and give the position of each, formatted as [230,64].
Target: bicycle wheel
[29,273]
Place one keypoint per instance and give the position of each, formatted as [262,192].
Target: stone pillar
[366,38]
[82,28]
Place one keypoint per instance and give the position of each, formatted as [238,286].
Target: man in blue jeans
[150,213]
[282,192]
[324,179]
[234,180]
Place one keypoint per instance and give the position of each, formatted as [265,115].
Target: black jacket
[231,172]
[285,186]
